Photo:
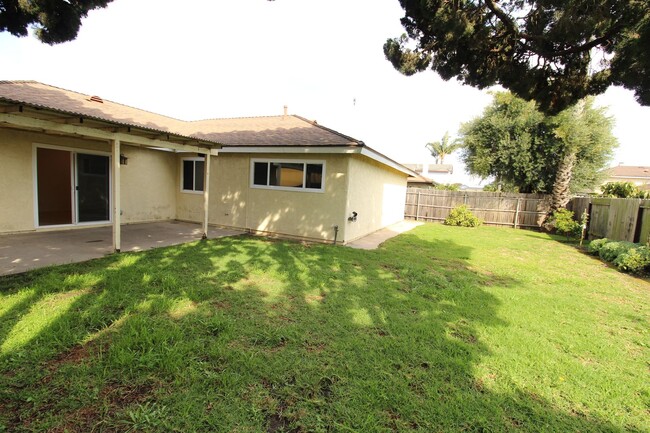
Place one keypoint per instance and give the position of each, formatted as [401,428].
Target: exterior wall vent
[96,99]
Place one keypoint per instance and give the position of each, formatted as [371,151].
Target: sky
[323,59]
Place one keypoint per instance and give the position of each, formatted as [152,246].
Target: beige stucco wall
[377,193]
[16,182]
[148,181]
[304,214]
[148,185]
[189,205]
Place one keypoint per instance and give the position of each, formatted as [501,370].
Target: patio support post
[206,195]
[117,235]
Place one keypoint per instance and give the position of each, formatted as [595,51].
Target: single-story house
[69,160]
[438,173]
[638,175]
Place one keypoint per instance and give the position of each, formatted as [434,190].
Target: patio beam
[117,200]
[206,195]
[68,120]
[97,133]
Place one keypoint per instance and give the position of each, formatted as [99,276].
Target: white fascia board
[366,151]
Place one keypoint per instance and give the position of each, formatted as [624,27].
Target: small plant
[563,223]
[634,260]
[461,216]
[584,220]
[595,246]
[144,417]
[611,250]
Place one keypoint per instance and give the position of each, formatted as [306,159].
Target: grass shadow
[265,335]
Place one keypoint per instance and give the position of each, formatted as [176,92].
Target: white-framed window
[288,174]
[192,174]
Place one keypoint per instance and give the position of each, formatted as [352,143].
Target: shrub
[611,250]
[623,190]
[500,187]
[563,223]
[634,260]
[595,246]
[448,186]
[462,217]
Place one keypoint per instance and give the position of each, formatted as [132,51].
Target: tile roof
[41,95]
[288,130]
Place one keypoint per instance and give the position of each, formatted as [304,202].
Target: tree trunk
[561,193]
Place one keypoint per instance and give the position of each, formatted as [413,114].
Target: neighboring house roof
[441,168]
[629,172]
[247,134]
[431,168]
[418,168]
[419,179]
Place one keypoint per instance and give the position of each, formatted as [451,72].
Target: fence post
[417,206]
[517,213]
[465,198]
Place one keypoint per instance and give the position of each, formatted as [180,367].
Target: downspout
[336,232]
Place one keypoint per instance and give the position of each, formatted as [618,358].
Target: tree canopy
[520,146]
[553,51]
[55,21]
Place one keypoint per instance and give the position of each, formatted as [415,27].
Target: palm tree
[441,149]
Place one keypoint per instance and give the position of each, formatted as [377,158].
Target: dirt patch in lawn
[112,399]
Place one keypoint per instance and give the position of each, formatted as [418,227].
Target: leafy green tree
[55,21]
[518,145]
[441,149]
[553,51]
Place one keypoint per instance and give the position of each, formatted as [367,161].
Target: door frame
[73,182]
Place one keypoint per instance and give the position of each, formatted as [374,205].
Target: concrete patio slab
[373,240]
[27,251]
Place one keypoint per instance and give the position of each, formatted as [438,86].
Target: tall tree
[519,145]
[55,21]
[441,149]
[553,51]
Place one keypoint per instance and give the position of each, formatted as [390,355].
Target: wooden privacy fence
[621,219]
[494,208]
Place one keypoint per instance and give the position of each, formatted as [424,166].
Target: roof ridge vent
[96,98]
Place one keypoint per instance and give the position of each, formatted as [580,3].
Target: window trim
[289,161]
[182,175]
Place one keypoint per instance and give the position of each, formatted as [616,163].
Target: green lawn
[442,329]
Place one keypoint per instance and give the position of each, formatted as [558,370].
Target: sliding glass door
[93,188]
